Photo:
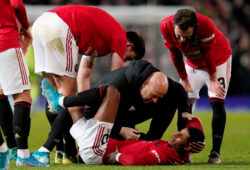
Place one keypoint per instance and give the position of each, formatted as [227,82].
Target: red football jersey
[10,11]
[139,152]
[96,32]
[207,48]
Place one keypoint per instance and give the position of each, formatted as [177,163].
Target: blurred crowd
[232,17]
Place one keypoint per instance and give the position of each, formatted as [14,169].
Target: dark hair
[138,42]
[185,18]
[196,135]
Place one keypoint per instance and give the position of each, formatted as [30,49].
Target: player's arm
[116,61]
[20,11]
[25,36]
[158,126]
[129,159]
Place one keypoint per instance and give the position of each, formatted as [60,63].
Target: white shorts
[54,45]
[92,138]
[199,77]
[14,73]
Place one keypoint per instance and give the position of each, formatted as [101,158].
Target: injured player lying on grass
[174,151]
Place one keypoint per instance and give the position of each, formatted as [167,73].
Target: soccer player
[158,152]
[64,32]
[208,62]
[14,75]
[138,82]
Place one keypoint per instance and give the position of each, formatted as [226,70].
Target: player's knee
[24,96]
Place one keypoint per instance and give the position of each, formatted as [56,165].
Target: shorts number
[222,82]
[105,139]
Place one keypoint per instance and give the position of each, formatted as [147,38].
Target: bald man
[115,93]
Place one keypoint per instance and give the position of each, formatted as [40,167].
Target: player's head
[185,21]
[180,140]
[155,86]
[135,46]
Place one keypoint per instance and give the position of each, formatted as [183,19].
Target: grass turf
[235,152]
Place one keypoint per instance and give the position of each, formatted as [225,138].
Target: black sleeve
[161,119]
[87,97]
[180,96]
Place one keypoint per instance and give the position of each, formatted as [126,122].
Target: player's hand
[186,85]
[187,116]
[197,147]
[25,38]
[129,133]
[111,157]
[217,89]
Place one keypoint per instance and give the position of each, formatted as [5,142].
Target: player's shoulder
[167,22]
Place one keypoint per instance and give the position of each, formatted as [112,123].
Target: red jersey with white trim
[96,32]
[10,11]
[139,152]
[207,48]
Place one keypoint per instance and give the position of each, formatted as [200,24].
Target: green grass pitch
[235,151]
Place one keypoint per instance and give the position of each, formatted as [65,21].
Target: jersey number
[222,82]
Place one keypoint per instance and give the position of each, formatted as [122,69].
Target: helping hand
[217,89]
[129,133]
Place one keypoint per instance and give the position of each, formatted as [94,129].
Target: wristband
[117,156]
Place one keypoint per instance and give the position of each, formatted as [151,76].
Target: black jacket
[128,81]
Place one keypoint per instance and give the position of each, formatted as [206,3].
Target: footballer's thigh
[14,73]
[223,74]
[92,137]
[196,78]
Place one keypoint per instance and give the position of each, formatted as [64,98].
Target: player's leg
[223,73]
[55,52]
[65,148]
[4,151]
[59,146]
[15,81]
[92,135]
[6,122]
[70,151]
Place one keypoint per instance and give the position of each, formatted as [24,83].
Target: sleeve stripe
[208,38]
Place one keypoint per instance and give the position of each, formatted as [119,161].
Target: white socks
[23,153]
[43,149]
